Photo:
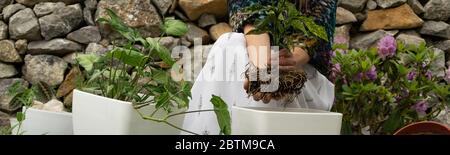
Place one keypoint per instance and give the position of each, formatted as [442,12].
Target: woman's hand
[294,60]
[288,61]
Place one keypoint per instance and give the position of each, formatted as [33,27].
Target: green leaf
[87,61]
[393,123]
[20,116]
[182,103]
[174,27]
[117,24]
[127,56]
[161,77]
[162,51]
[256,32]
[222,113]
[298,25]
[162,100]
[317,30]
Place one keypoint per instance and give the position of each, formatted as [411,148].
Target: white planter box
[97,115]
[41,122]
[284,121]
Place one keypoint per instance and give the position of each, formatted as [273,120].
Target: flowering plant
[382,89]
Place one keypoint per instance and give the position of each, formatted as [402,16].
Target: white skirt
[223,75]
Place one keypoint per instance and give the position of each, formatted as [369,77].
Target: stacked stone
[361,23]
[39,39]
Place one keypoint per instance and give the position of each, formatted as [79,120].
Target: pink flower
[340,40]
[429,75]
[358,77]
[387,47]
[447,75]
[412,75]
[372,73]
[421,107]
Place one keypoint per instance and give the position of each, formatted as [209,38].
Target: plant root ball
[290,85]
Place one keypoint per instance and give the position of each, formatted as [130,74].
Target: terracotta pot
[424,128]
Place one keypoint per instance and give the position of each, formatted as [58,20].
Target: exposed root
[290,84]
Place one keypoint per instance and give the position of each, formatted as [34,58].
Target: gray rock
[390,3]
[438,29]
[371,5]
[44,68]
[7,70]
[410,40]
[353,5]
[416,6]
[162,5]
[95,48]
[90,4]
[392,32]
[411,32]
[344,16]
[54,47]
[10,10]
[368,40]
[71,58]
[185,42]
[4,3]
[437,10]
[21,46]
[86,35]
[5,97]
[3,30]
[8,52]
[207,20]
[47,8]
[443,45]
[181,16]
[139,14]
[88,18]
[437,67]
[169,42]
[34,2]
[361,16]
[61,21]
[24,25]
[196,33]
[4,120]
[342,34]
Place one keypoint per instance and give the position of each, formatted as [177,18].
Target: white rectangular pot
[41,122]
[97,115]
[284,121]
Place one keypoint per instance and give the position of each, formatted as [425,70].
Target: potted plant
[37,118]
[424,128]
[284,121]
[382,89]
[124,92]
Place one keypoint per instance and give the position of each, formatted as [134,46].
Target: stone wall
[40,38]
[361,23]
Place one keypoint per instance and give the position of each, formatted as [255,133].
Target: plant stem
[187,112]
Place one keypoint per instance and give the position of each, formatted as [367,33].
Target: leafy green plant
[382,89]
[6,130]
[126,73]
[25,98]
[288,29]
[282,19]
